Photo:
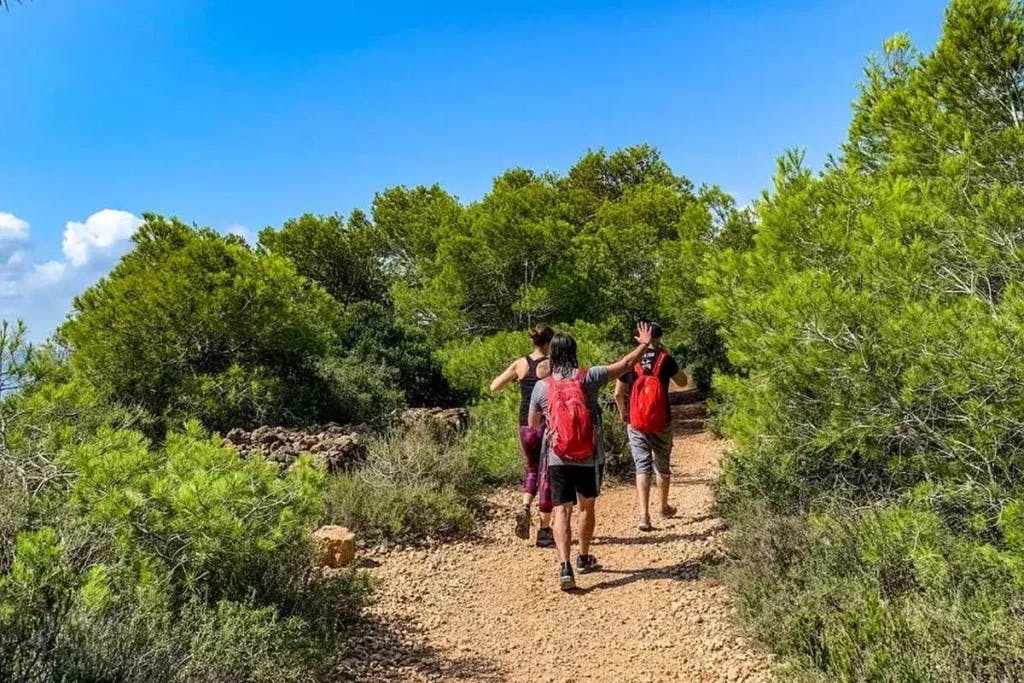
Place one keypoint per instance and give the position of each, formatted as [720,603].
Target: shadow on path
[654,538]
[394,650]
[689,570]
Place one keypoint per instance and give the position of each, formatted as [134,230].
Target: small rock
[335,546]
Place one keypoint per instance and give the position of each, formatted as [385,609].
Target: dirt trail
[490,609]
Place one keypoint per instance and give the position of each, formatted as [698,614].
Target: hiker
[573,449]
[648,417]
[527,371]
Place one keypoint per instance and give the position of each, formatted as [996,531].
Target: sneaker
[567,581]
[523,522]
[645,523]
[586,564]
[545,537]
[668,511]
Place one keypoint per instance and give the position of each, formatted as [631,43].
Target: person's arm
[620,398]
[535,418]
[622,366]
[511,374]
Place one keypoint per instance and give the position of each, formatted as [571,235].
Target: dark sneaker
[567,581]
[523,523]
[586,564]
[668,511]
[545,537]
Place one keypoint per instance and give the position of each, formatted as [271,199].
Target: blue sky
[240,115]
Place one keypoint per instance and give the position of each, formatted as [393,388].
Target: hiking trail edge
[489,609]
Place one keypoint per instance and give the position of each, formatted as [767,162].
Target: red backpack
[648,403]
[570,427]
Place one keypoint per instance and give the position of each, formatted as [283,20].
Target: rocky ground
[490,609]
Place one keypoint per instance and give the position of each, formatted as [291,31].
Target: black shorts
[569,481]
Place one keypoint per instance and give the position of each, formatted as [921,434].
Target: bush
[493,440]
[874,322]
[56,627]
[178,564]
[889,593]
[193,325]
[412,486]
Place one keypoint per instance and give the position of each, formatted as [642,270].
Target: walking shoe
[645,523]
[586,564]
[668,511]
[523,522]
[545,537]
[567,581]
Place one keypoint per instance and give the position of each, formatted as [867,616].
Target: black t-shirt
[669,369]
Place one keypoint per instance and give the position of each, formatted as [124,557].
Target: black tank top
[526,385]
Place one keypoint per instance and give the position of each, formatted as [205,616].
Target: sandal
[668,511]
[645,523]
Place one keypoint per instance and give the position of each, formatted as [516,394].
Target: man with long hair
[567,401]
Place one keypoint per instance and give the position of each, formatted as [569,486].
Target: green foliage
[341,256]
[617,239]
[873,323]
[213,521]
[120,561]
[347,260]
[192,321]
[890,593]
[493,439]
[414,485]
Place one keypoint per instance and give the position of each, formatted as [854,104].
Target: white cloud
[41,293]
[46,274]
[242,231]
[12,228]
[100,231]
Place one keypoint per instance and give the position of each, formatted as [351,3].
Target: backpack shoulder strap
[656,370]
[581,374]
[638,370]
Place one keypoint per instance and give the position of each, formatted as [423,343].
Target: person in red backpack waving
[649,419]
[566,401]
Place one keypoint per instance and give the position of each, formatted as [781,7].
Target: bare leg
[527,499]
[586,524]
[562,527]
[545,519]
[663,483]
[643,493]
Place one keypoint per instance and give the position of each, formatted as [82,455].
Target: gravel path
[490,609]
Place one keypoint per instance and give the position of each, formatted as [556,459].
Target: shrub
[888,593]
[493,440]
[873,322]
[412,486]
[178,564]
[193,325]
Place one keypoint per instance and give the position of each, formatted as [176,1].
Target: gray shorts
[651,449]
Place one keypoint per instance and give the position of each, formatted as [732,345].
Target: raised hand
[643,333]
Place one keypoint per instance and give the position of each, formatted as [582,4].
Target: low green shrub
[122,561]
[893,592]
[493,440]
[413,485]
[397,514]
[59,625]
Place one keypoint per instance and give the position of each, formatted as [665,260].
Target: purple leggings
[535,483]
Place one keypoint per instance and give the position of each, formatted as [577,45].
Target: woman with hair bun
[527,371]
